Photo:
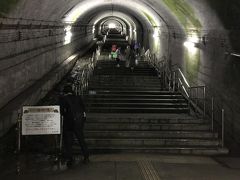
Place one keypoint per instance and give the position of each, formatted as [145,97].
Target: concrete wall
[218,71]
[32,61]
[210,66]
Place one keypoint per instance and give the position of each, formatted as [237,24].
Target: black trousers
[68,136]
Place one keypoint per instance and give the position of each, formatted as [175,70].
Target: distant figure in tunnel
[113,54]
[132,58]
[127,55]
[136,47]
[74,117]
[119,55]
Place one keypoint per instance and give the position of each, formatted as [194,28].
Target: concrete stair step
[116,35]
[122,71]
[141,92]
[150,134]
[117,119]
[105,84]
[111,61]
[138,116]
[132,97]
[151,142]
[125,88]
[146,127]
[122,77]
[96,88]
[127,73]
[125,85]
[126,81]
[125,100]
[136,105]
[116,70]
[209,151]
[136,110]
[116,40]
[122,63]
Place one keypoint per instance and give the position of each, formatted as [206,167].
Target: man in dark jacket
[73,112]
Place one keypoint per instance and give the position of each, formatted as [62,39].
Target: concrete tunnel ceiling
[129,6]
[150,17]
[184,20]
[26,60]
[137,13]
[110,23]
[127,20]
[171,27]
[155,15]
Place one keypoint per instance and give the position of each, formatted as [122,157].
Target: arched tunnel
[191,47]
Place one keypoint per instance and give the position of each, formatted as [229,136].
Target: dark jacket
[72,109]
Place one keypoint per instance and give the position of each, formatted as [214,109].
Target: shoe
[69,164]
[86,160]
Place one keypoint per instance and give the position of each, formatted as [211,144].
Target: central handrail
[81,81]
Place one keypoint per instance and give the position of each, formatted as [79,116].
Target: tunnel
[185,79]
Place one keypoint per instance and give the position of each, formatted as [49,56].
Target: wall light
[155,33]
[68,36]
[191,43]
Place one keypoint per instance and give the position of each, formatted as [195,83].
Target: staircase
[115,37]
[131,111]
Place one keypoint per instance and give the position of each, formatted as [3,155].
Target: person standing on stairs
[74,117]
[127,55]
[132,59]
[118,51]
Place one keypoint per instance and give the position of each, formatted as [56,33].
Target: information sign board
[41,120]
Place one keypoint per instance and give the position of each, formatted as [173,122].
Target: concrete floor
[126,167]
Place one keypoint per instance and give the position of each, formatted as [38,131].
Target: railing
[174,80]
[80,84]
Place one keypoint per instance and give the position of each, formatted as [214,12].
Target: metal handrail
[175,80]
[81,81]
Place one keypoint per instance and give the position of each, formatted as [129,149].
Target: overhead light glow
[112,26]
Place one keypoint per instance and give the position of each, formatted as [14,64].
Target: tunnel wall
[31,53]
[28,53]
[212,66]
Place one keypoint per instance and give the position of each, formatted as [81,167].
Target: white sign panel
[41,120]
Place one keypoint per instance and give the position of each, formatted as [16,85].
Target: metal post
[197,98]
[204,101]
[212,113]
[169,81]
[174,81]
[18,168]
[223,123]
[189,98]
[58,158]
[19,131]
[61,135]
